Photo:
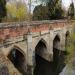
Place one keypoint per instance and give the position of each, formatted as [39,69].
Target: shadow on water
[44,67]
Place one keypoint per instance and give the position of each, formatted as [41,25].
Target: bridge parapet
[31,23]
[9,31]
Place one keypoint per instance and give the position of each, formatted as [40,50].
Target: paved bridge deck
[19,29]
[31,23]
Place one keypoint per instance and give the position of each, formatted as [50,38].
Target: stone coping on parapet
[30,23]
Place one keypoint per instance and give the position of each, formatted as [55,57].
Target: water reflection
[44,67]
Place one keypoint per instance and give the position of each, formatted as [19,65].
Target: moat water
[44,67]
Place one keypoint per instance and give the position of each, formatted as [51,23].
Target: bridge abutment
[30,55]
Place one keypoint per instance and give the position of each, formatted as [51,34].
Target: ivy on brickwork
[71,48]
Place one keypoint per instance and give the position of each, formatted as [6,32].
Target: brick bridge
[21,41]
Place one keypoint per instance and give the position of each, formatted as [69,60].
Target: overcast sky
[65,3]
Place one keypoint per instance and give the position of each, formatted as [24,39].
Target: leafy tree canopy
[52,10]
[71,10]
[17,11]
[40,13]
[2,9]
[70,47]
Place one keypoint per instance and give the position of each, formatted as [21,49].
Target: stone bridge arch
[58,54]
[41,48]
[45,42]
[40,55]
[18,48]
[67,35]
[56,42]
[18,58]
[56,49]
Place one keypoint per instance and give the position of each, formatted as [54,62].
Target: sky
[65,3]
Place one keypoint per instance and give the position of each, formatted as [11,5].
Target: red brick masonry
[15,29]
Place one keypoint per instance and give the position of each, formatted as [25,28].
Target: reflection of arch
[56,50]
[17,57]
[58,55]
[40,51]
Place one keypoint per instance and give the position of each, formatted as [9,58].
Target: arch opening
[56,51]
[18,60]
[42,67]
[58,56]
[41,48]
[40,51]
[67,37]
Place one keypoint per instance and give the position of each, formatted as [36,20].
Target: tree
[71,11]
[52,10]
[55,9]
[2,9]
[71,46]
[17,11]
[40,13]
